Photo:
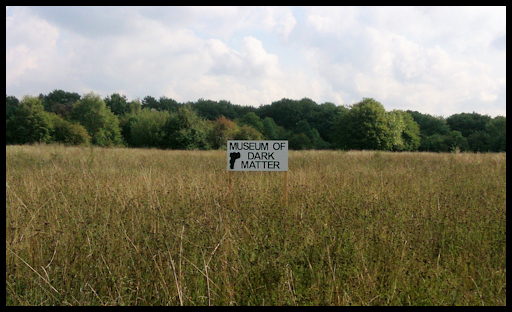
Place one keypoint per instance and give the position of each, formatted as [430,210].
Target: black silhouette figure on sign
[232,158]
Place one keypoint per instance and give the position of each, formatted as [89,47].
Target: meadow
[119,226]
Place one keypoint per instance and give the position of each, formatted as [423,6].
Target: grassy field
[113,226]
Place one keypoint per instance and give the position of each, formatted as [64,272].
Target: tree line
[72,119]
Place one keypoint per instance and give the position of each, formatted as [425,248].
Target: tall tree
[101,124]
[412,133]
[497,130]
[404,133]
[473,128]
[313,141]
[456,142]
[222,130]
[429,124]
[147,129]
[168,104]
[479,141]
[270,130]
[68,133]
[253,120]
[212,110]
[434,132]
[299,141]
[364,127]
[11,105]
[302,137]
[323,119]
[29,123]
[434,143]
[444,143]
[468,123]
[60,102]
[285,112]
[246,132]
[117,103]
[150,102]
[185,130]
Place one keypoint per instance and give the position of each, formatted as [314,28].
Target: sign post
[230,185]
[286,188]
[251,155]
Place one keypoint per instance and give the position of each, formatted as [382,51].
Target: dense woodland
[72,119]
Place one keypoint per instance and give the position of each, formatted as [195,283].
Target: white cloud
[222,22]
[434,60]
[259,61]
[252,61]
[30,47]
[335,20]
[393,64]
[278,19]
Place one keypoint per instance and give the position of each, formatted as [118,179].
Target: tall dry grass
[111,226]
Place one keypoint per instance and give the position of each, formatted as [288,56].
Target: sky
[435,60]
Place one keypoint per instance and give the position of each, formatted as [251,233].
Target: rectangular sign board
[245,155]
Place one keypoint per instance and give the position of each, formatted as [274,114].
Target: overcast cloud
[436,60]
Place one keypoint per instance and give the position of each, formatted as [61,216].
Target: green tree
[323,117]
[299,141]
[468,123]
[288,113]
[128,119]
[314,140]
[68,133]
[404,133]
[283,134]
[212,110]
[117,103]
[434,143]
[253,120]
[246,132]
[185,130]
[125,123]
[147,129]
[434,131]
[497,130]
[168,104]
[150,102]
[270,130]
[456,142]
[411,134]
[60,102]
[479,141]
[29,123]
[430,125]
[11,105]
[222,130]
[134,107]
[396,127]
[491,139]
[364,127]
[302,136]
[101,124]
[285,112]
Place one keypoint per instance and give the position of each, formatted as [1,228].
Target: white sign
[257,155]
